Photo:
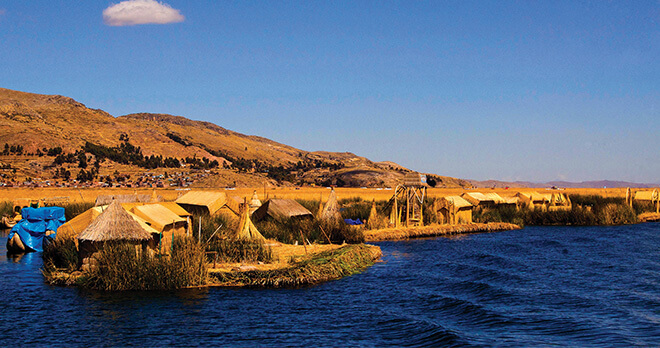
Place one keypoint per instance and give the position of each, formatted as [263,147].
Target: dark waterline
[569,286]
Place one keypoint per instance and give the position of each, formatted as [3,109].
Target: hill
[560,184]
[47,136]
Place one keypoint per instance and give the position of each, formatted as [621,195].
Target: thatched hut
[208,203]
[114,225]
[482,200]
[652,197]
[454,210]
[167,223]
[559,201]
[534,200]
[281,209]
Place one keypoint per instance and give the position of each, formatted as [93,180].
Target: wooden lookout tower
[410,197]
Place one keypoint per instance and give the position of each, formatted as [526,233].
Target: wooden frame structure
[411,193]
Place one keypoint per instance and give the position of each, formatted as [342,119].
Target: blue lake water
[540,286]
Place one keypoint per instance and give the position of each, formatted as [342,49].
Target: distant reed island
[170,239]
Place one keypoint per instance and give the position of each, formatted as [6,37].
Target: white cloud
[134,12]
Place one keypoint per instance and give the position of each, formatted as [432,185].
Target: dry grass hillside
[37,122]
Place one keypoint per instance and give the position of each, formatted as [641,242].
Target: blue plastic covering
[36,221]
[353,222]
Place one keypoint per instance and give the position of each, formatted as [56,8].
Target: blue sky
[508,90]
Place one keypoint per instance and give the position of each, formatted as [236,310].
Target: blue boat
[37,224]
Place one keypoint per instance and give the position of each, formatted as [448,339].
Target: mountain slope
[37,122]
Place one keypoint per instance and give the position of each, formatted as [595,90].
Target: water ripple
[567,286]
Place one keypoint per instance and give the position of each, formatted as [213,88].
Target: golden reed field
[306,193]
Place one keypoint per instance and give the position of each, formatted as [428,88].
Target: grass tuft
[121,268]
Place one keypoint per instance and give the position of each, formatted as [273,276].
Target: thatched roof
[535,196]
[646,195]
[478,197]
[509,200]
[107,199]
[175,208]
[280,209]
[457,201]
[331,209]
[157,216]
[76,225]
[213,201]
[116,224]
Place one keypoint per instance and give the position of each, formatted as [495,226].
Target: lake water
[540,286]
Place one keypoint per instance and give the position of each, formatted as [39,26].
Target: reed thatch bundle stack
[246,229]
[331,208]
[374,220]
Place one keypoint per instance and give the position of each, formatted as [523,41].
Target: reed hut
[509,201]
[559,201]
[331,208]
[652,197]
[115,225]
[73,227]
[533,200]
[454,210]
[281,209]
[208,203]
[483,200]
[164,221]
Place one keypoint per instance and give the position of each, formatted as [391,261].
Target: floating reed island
[402,233]
[333,262]
[141,242]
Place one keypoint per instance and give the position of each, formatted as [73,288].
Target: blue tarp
[36,221]
[353,222]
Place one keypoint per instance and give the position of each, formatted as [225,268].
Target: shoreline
[404,233]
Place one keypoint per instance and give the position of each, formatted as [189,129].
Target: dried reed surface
[435,230]
[320,267]
[282,255]
[648,217]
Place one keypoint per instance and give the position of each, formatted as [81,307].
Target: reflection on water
[534,287]
[24,258]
